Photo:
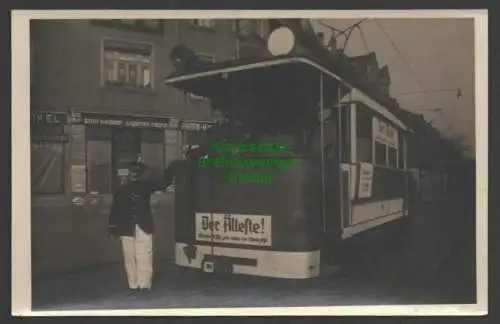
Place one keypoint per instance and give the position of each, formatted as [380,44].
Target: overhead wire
[402,57]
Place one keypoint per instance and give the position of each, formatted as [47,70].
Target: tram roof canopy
[288,76]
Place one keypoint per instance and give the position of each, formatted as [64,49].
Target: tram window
[364,142]
[401,152]
[380,154]
[345,133]
[392,155]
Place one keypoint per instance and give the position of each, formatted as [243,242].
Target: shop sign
[137,121]
[124,121]
[51,118]
[190,126]
[195,126]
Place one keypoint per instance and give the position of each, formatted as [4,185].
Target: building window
[203,23]
[246,28]
[47,159]
[364,134]
[127,65]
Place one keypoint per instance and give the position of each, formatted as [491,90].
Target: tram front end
[249,199]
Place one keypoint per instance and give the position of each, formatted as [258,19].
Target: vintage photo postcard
[249,163]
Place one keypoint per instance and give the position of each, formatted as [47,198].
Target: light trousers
[138,258]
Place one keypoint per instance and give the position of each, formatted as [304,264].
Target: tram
[334,158]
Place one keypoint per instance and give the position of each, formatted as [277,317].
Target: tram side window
[392,155]
[364,144]
[345,133]
[380,154]
[401,153]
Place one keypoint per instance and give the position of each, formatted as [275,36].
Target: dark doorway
[126,148]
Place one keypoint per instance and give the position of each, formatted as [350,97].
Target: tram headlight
[281,41]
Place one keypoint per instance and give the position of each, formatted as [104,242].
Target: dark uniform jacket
[132,206]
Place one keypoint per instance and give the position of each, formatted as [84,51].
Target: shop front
[78,160]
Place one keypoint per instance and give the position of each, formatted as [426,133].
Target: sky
[434,54]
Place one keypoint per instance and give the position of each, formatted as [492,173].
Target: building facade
[98,102]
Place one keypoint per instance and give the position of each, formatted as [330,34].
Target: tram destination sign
[384,133]
[234,229]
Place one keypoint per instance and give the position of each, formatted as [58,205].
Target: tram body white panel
[275,264]
[370,215]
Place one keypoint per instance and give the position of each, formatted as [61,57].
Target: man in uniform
[132,221]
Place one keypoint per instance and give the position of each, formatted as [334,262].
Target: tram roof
[208,79]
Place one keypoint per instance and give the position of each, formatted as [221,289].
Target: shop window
[364,134]
[380,154]
[247,27]
[127,65]
[47,167]
[111,151]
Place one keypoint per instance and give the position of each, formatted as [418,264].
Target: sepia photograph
[270,163]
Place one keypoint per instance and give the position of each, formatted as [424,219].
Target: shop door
[126,148]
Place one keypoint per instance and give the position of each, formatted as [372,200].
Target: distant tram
[335,158]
